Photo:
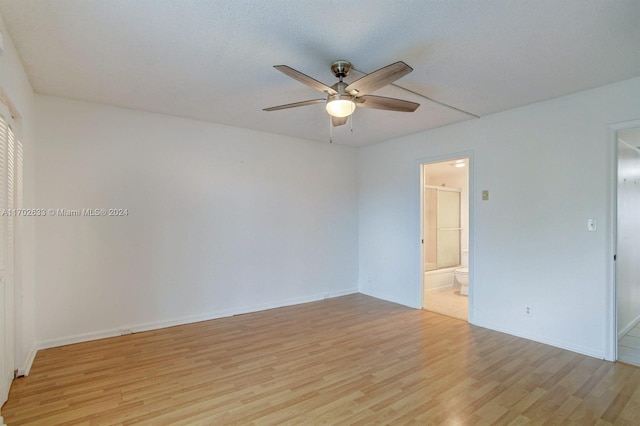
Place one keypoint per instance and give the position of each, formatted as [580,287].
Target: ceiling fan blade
[389,104]
[295,104]
[305,79]
[338,121]
[377,79]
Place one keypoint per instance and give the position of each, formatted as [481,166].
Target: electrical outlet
[528,310]
[125,331]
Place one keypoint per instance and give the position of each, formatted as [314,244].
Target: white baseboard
[383,296]
[26,368]
[628,328]
[551,342]
[136,328]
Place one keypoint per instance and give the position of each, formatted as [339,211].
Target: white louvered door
[8,169]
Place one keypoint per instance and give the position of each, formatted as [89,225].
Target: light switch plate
[592,224]
[485,194]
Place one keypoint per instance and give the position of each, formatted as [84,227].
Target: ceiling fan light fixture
[340,106]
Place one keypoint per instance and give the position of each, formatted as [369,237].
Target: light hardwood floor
[348,360]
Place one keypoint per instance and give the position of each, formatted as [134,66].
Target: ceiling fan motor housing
[341,68]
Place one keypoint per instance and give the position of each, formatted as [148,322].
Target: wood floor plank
[349,360]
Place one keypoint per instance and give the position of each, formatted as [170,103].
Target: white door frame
[420,249]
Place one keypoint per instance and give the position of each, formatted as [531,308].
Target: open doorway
[445,237]
[628,245]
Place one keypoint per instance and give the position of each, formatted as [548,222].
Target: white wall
[220,220]
[548,167]
[15,88]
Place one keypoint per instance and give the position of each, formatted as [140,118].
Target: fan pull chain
[330,131]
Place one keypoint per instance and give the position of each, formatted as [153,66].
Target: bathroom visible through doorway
[445,237]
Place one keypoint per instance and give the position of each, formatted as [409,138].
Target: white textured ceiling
[212,60]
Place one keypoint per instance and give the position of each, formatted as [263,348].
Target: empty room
[319,212]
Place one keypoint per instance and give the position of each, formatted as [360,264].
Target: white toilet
[462,273]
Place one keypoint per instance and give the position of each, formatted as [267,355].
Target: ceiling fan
[342,98]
